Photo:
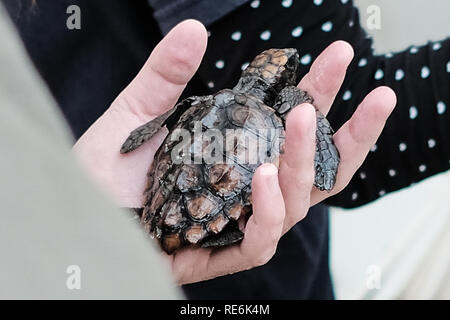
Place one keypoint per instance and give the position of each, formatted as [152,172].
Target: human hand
[353,140]
[279,200]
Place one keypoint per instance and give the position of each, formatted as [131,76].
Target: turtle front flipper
[145,132]
[326,159]
[230,235]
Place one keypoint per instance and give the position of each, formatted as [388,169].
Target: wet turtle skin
[191,201]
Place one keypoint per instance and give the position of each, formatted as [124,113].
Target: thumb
[263,229]
[162,79]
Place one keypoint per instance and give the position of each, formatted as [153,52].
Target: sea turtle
[190,200]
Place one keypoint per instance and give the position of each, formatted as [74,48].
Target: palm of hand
[279,200]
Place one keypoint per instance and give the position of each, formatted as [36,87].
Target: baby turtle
[193,199]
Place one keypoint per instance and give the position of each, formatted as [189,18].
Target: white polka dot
[379,74]
[422,168]
[437,46]
[425,72]
[306,59]
[362,175]
[351,23]
[255,4]
[297,32]
[374,148]
[392,172]
[265,35]
[362,62]
[399,74]
[208,33]
[244,66]
[220,64]
[327,26]
[402,147]
[448,66]
[344,1]
[286,3]
[347,95]
[441,107]
[236,36]
[318,2]
[389,55]
[381,193]
[431,143]
[413,112]
[210,84]
[354,196]
[413,50]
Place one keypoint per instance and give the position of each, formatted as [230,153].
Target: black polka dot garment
[415,143]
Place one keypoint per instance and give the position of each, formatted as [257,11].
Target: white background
[405,236]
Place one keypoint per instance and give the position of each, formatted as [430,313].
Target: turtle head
[269,72]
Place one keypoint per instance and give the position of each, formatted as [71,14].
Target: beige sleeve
[59,236]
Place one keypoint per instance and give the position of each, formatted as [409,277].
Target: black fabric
[169,13]
[86,69]
[299,269]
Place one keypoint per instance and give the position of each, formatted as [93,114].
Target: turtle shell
[187,201]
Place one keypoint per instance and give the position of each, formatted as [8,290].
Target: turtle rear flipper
[230,235]
[145,132]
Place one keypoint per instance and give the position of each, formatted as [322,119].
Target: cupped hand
[281,197]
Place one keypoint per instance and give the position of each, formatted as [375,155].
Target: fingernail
[270,173]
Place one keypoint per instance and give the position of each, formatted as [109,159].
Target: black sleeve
[415,142]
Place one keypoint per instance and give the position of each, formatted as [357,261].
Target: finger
[327,73]
[297,163]
[262,232]
[263,229]
[355,138]
[164,76]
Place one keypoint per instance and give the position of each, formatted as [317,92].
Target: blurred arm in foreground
[52,241]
